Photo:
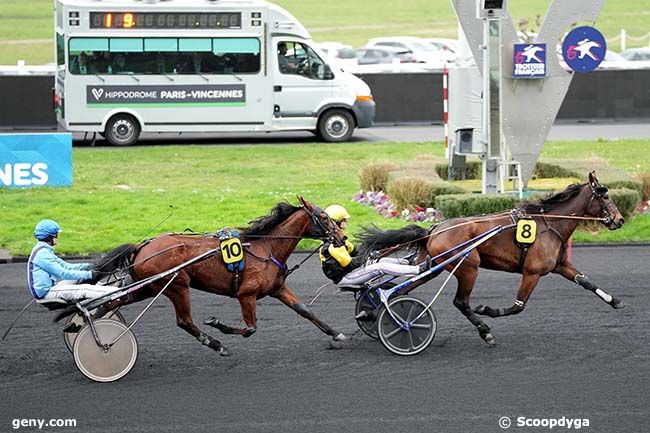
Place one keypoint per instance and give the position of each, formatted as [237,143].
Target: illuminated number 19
[128,21]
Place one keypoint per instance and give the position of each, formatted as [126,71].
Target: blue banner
[32,160]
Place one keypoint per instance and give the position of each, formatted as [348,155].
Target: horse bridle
[318,229]
[604,213]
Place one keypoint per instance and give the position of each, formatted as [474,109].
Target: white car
[637,54]
[448,46]
[341,55]
[422,51]
[639,58]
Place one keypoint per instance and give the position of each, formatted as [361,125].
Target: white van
[126,67]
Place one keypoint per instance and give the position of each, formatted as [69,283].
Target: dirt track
[568,354]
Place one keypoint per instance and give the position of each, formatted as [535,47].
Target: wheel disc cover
[337,126]
[408,340]
[105,365]
[123,130]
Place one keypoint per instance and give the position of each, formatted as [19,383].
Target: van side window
[163,56]
[295,58]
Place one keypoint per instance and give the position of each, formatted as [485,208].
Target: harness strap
[295,268]
[515,216]
[234,283]
[522,258]
[275,261]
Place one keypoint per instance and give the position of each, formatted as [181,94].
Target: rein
[388,250]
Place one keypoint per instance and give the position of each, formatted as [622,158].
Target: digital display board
[169,20]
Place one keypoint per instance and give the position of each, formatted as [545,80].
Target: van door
[302,82]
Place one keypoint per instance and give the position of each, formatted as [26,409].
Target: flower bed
[383,206]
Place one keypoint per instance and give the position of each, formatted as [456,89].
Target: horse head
[322,227]
[601,205]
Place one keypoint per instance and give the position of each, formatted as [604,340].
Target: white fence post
[623,39]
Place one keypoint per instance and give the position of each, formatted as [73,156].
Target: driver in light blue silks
[49,277]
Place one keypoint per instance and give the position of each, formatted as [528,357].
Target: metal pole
[491,104]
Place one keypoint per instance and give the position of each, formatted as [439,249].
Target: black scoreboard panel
[165,20]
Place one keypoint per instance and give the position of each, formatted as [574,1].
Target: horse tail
[374,239]
[119,258]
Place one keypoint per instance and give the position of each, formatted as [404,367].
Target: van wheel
[122,130]
[335,126]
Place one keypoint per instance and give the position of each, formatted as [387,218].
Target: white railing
[623,37]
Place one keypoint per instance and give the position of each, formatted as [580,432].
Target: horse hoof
[212,321]
[490,340]
[341,337]
[617,304]
[223,351]
[480,309]
[339,344]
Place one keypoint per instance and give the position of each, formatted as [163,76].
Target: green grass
[351,22]
[119,194]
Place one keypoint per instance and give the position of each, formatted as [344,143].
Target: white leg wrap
[604,296]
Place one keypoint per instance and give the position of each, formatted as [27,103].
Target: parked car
[636,54]
[614,60]
[422,51]
[447,46]
[341,55]
[379,55]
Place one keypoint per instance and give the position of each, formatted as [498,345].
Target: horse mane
[116,259]
[551,202]
[263,225]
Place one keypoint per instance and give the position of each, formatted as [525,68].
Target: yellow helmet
[337,212]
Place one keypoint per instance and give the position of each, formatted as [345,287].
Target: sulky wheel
[403,335]
[109,362]
[369,303]
[69,337]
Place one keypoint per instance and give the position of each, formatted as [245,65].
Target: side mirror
[327,73]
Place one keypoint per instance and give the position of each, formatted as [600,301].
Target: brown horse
[556,218]
[271,240]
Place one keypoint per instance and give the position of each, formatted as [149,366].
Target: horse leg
[466,279]
[180,297]
[568,271]
[528,284]
[288,298]
[248,306]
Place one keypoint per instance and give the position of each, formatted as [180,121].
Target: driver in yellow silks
[344,267]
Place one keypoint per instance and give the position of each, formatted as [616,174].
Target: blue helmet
[46,228]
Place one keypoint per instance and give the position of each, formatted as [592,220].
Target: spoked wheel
[69,337]
[403,335]
[370,303]
[106,363]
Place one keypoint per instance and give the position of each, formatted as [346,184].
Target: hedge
[452,206]
[473,170]
[625,184]
[457,205]
[626,200]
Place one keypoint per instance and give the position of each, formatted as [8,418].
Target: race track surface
[568,354]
